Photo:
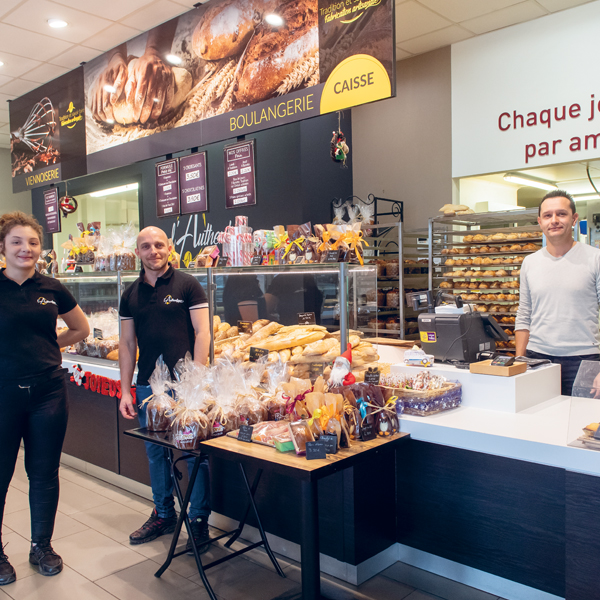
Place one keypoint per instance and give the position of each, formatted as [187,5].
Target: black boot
[201,536]
[7,572]
[48,562]
[154,527]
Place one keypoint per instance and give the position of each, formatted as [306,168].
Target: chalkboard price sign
[245,433]
[315,450]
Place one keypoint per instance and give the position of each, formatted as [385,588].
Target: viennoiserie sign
[222,71]
[47,129]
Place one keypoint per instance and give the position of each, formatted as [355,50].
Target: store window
[113,209]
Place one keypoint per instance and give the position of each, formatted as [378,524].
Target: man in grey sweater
[560,294]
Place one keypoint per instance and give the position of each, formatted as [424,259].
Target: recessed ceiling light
[1,64]
[274,20]
[109,121]
[155,99]
[173,59]
[111,89]
[57,23]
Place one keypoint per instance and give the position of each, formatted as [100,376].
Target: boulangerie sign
[526,96]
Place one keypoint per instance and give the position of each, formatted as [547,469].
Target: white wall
[522,96]
[402,147]
[8,200]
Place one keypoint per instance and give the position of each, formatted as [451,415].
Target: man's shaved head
[151,233]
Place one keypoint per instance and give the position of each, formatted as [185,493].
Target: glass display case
[285,294]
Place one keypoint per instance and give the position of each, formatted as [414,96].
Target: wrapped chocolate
[160,404]
[189,427]
[300,434]
[311,250]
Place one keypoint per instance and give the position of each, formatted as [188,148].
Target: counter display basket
[479,257]
[423,403]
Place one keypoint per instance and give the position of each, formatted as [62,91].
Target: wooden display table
[308,472]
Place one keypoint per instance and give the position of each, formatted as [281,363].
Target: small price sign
[332,256]
[331,443]
[98,333]
[315,450]
[245,433]
[367,432]
[244,326]
[372,376]
[306,318]
[256,260]
[257,353]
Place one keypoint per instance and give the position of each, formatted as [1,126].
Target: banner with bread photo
[240,65]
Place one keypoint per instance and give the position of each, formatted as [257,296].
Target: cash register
[452,332]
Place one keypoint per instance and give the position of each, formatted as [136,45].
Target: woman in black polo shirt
[33,391]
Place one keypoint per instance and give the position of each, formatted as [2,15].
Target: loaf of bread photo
[226,28]
[275,52]
[123,109]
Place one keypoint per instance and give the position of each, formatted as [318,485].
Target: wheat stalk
[302,72]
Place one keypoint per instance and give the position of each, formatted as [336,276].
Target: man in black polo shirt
[163,312]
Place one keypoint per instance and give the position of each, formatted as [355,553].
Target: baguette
[259,324]
[285,355]
[281,343]
[320,347]
[297,350]
[232,332]
[263,333]
[290,328]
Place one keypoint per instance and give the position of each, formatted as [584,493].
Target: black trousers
[36,412]
[569,365]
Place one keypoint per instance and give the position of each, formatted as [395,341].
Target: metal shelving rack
[389,240]
[503,257]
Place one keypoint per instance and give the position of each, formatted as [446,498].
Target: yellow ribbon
[326,238]
[316,415]
[280,240]
[327,412]
[297,242]
[354,239]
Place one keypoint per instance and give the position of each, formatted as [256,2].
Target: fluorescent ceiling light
[536,182]
[586,197]
[57,23]
[115,190]
[174,59]
[274,20]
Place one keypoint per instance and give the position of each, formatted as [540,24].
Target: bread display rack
[479,256]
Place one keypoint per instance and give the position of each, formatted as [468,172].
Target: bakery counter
[541,434]
[504,502]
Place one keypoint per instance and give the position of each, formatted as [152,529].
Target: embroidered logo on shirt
[43,301]
[169,299]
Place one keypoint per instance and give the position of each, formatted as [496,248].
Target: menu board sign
[240,183]
[167,188]
[51,210]
[192,183]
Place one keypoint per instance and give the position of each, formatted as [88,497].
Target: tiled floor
[92,528]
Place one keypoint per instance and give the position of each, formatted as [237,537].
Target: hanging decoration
[339,147]
[68,204]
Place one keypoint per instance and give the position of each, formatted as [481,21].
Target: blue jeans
[160,473]
[569,365]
